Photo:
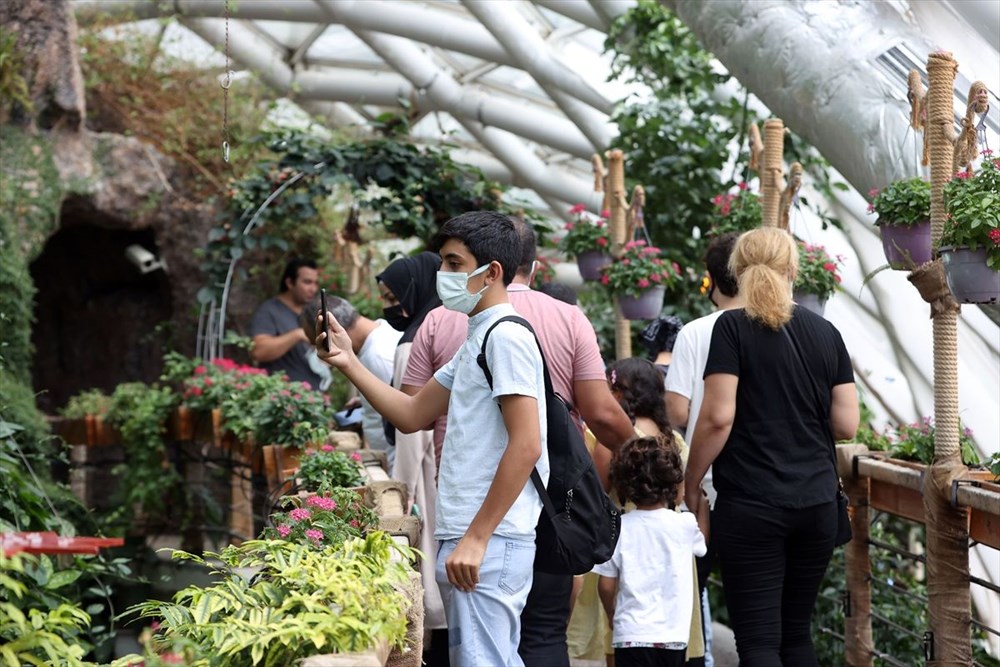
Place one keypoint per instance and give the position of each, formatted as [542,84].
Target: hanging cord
[965,146]
[227,81]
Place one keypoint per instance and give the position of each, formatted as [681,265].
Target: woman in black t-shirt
[765,426]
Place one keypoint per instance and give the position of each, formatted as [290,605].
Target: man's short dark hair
[717,263]
[529,243]
[564,293]
[489,236]
[292,271]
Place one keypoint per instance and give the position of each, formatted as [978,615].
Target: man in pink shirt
[571,352]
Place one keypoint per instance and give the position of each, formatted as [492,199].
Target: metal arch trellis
[212,318]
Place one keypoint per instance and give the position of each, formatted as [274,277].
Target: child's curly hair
[646,471]
[640,389]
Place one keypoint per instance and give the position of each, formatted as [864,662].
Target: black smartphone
[326,322]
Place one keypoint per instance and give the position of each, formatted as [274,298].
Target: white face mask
[453,290]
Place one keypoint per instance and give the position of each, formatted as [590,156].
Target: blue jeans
[484,626]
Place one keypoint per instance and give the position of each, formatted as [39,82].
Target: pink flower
[830,266]
[871,208]
[744,186]
[569,226]
[964,175]
[602,241]
[208,382]
[655,277]
[355,456]
[605,213]
[200,370]
[355,523]
[995,236]
[604,279]
[986,152]
[643,283]
[300,514]
[577,209]
[306,385]
[322,502]
[676,267]
[651,251]
[626,261]
[284,530]
[314,535]
[196,391]
[873,193]
[284,392]
[327,448]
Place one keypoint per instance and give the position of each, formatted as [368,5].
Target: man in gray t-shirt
[279,342]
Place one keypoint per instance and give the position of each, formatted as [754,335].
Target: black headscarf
[414,282]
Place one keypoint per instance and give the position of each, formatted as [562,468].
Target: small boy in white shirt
[647,587]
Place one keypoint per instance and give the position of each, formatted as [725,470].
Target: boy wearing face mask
[486,508]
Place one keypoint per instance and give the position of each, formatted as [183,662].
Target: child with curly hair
[648,585]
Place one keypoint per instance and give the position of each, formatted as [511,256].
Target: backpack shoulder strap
[536,479]
[481,358]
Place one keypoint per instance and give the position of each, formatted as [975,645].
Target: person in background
[374,343]
[559,291]
[409,293]
[648,585]
[685,386]
[658,337]
[779,390]
[279,342]
[570,347]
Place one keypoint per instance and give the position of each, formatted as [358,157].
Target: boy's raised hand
[341,353]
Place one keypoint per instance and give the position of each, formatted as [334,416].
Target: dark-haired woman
[779,388]
[647,586]
[408,293]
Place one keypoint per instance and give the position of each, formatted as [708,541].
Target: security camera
[143,260]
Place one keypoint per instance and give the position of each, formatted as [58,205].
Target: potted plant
[325,469]
[970,243]
[321,521]
[904,221]
[292,416]
[587,239]
[817,278]
[738,212]
[640,278]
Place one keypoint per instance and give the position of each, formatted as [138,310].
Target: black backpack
[579,525]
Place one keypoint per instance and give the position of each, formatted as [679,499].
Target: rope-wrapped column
[619,236]
[949,600]
[772,174]
[858,643]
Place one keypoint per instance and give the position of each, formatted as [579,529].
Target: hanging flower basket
[907,247]
[970,278]
[646,306]
[591,262]
[810,302]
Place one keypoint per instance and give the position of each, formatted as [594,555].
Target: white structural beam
[445,92]
[577,10]
[532,54]
[523,118]
[437,28]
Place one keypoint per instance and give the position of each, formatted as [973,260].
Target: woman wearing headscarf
[409,292]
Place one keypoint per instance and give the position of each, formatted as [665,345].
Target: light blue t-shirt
[476,437]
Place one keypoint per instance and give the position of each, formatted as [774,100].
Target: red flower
[995,236]
[830,266]
[643,283]
[200,370]
[743,185]
[569,226]
[577,209]
[605,213]
[602,241]
[655,277]
[604,279]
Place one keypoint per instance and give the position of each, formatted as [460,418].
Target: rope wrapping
[949,598]
[772,176]
[965,147]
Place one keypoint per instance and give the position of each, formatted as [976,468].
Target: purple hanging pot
[906,246]
[810,302]
[591,262]
[970,279]
[646,306]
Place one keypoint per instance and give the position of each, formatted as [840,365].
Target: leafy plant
[322,520]
[993,464]
[88,402]
[293,415]
[147,477]
[817,271]
[301,602]
[902,203]
[586,233]
[739,212]
[973,205]
[639,268]
[205,386]
[34,635]
[325,469]
[13,86]
[915,442]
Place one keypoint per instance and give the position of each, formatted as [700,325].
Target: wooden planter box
[92,431]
